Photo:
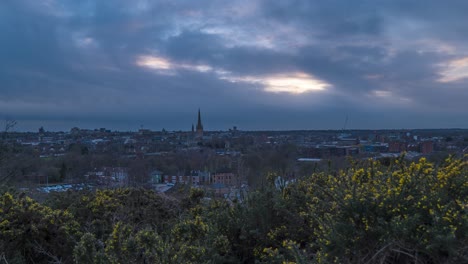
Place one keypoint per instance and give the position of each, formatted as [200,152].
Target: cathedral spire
[199,125]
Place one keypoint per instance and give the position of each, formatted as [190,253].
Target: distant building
[143,131]
[156,177]
[75,131]
[116,174]
[181,179]
[201,177]
[199,126]
[426,147]
[397,147]
[228,179]
[327,151]
[379,148]
[195,178]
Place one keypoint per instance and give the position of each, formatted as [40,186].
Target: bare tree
[5,175]
[9,124]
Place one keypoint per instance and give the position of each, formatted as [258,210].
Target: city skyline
[257,65]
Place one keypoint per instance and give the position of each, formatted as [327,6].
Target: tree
[9,124]
[5,154]
[31,232]
[63,171]
[89,250]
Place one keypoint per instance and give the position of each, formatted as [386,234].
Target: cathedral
[199,131]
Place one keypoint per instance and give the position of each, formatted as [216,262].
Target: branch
[9,124]
[378,252]
[4,258]
[41,250]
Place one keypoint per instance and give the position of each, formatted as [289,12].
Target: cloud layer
[256,64]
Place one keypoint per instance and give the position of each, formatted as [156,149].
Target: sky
[254,64]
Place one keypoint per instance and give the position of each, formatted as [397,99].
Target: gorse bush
[400,212]
[31,232]
[403,213]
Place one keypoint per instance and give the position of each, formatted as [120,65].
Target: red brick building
[224,178]
[396,147]
[426,147]
[182,179]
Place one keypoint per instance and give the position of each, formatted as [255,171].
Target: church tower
[199,126]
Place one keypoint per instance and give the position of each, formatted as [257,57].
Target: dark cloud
[387,64]
[332,19]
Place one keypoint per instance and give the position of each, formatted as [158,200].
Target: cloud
[165,66]
[293,83]
[454,70]
[156,62]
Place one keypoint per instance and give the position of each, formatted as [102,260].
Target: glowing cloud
[293,83]
[384,94]
[152,62]
[454,70]
[196,67]
[389,97]
[166,66]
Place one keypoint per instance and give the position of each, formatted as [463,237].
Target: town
[212,132]
[224,163]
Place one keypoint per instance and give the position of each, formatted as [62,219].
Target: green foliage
[101,210]
[404,212]
[89,250]
[399,212]
[30,231]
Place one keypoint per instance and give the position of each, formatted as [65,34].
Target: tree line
[368,212]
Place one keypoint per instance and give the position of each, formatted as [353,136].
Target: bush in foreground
[369,213]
